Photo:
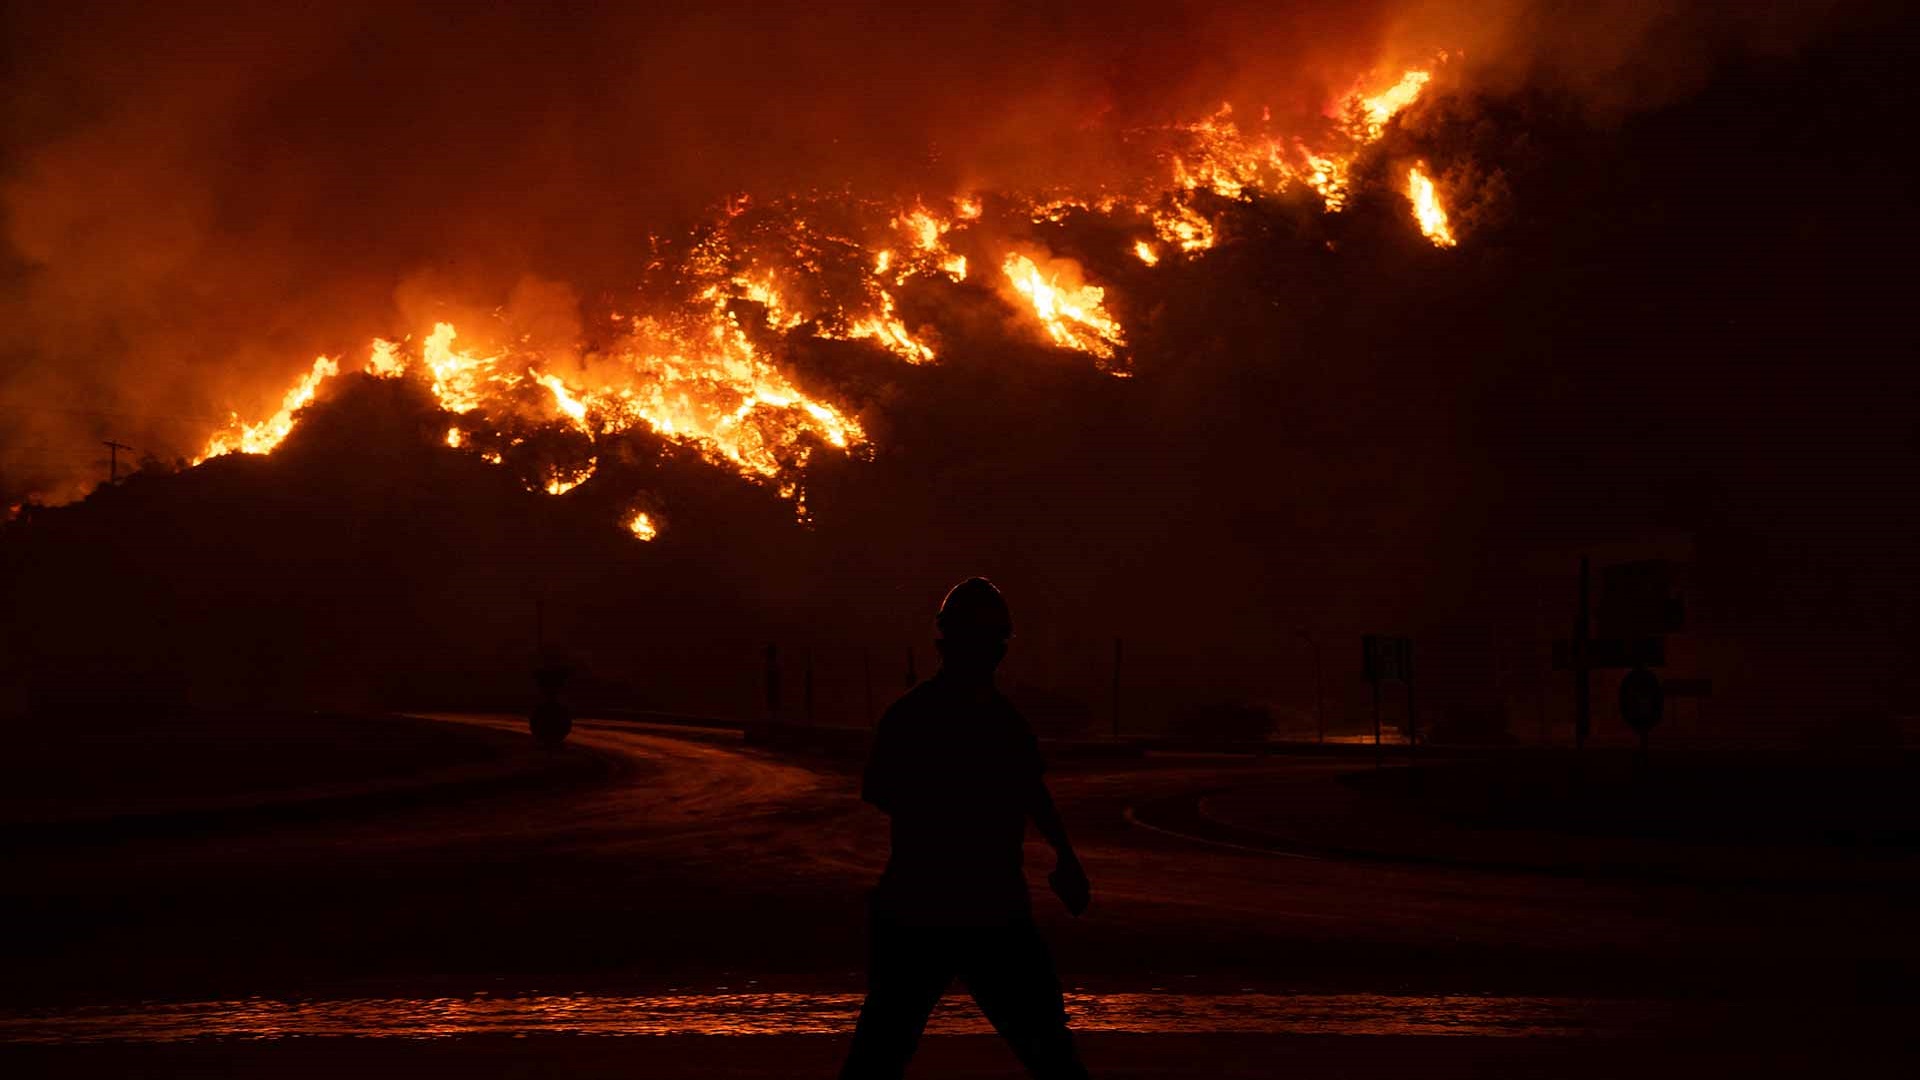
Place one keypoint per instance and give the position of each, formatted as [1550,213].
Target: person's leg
[908,968]
[1011,976]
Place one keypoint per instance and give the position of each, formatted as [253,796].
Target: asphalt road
[694,865]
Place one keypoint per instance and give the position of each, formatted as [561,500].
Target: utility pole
[113,458]
[1116,688]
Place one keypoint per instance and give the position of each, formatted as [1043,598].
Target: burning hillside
[699,360]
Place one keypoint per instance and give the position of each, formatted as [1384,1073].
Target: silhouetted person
[958,771]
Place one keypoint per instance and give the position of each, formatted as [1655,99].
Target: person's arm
[1069,878]
[1046,818]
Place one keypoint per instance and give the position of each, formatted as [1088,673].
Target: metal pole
[1116,688]
[771,674]
[1413,718]
[1582,674]
[806,685]
[1376,723]
[866,679]
[1319,696]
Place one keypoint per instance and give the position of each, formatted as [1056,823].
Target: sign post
[1641,703]
[1582,667]
[1386,658]
[1638,607]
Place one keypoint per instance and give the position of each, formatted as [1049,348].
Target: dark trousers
[1008,971]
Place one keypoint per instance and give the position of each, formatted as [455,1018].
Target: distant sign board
[1688,687]
[1385,658]
[1637,600]
[1612,653]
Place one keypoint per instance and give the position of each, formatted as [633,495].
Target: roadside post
[1385,658]
[1641,703]
[1582,668]
[806,685]
[1638,607]
[771,676]
[866,680]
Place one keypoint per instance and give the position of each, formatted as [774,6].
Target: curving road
[695,861]
[1173,908]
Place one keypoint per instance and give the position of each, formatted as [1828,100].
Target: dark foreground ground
[1142,1057]
[672,903]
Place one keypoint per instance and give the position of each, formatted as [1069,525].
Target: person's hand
[1069,881]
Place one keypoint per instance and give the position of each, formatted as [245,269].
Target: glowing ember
[453,437]
[1145,252]
[641,526]
[1427,211]
[1073,317]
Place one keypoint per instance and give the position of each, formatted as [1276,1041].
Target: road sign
[1637,600]
[1612,653]
[1384,658]
[1641,700]
[1687,688]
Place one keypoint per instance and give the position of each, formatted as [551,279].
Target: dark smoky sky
[198,198]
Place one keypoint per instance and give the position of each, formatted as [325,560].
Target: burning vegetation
[703,361]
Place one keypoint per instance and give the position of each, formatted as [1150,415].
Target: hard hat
[975,609]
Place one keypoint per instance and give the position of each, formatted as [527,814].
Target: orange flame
[262,437]
[1427,211]
[1074,317]
[641,525]
[1379,108]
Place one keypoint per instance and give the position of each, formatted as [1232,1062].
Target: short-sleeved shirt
[955,769]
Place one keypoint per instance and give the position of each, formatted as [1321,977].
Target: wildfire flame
[262,437]
[1427,211]
[1379,108]
[700,367]
[1073,317]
